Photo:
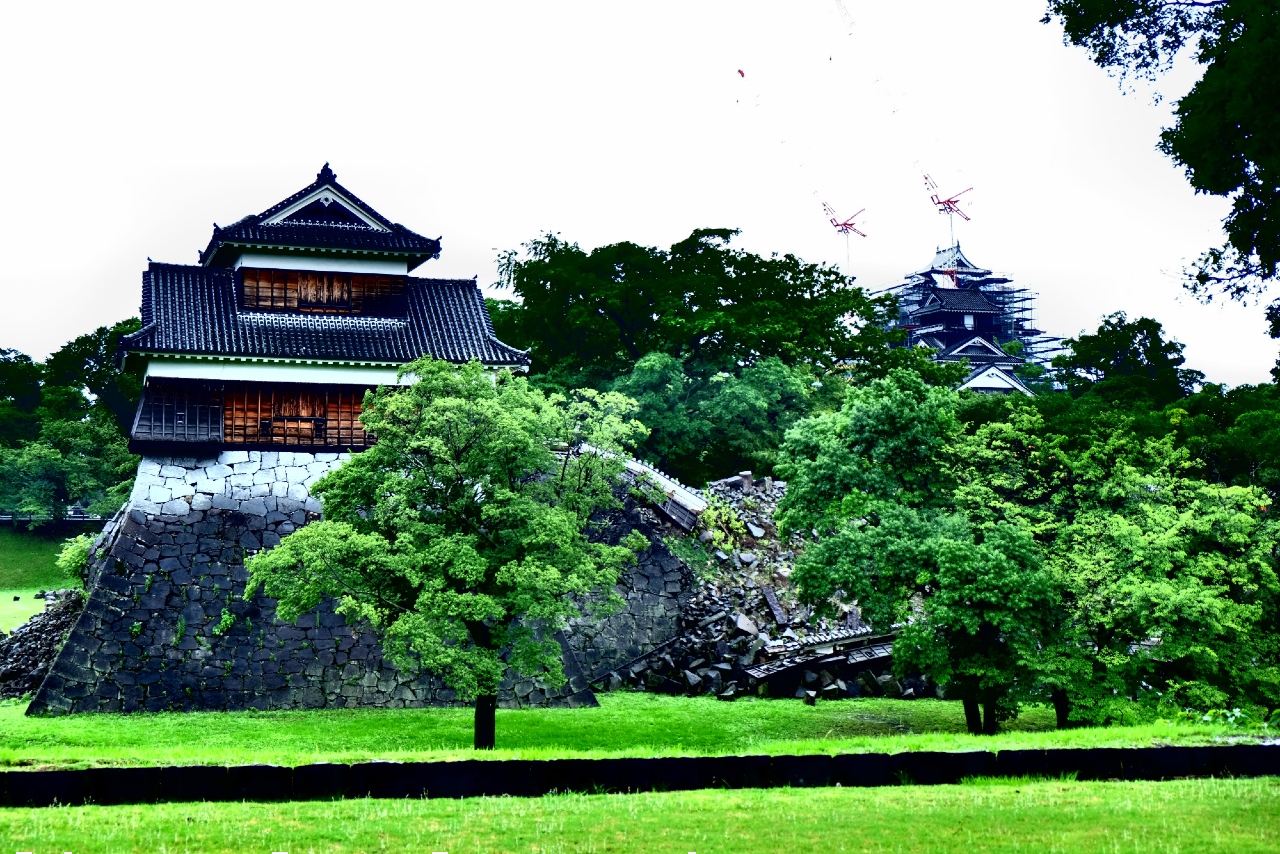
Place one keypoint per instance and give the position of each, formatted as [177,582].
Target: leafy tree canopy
[73,460]
[875,483]
[1067,548]
[1226,126]
[723,348]
[1235,433]
[703,427]
[462,536]
[91,362]
[19,397]
[588,317]
[1124,360]
[63,427]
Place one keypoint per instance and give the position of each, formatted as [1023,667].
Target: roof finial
[326,174]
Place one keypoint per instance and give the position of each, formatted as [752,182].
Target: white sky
[130,129]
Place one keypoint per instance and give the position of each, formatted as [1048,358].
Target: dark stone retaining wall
[172,561]
[654,595]
[532,778]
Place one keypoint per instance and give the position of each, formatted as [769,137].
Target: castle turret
[290,317]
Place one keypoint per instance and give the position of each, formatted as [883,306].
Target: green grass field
[15,613]
[26,567]
[27,560]
[1203,816]
[625,725]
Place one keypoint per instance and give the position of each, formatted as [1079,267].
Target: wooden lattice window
[322,293]
[294,414]
[179,411]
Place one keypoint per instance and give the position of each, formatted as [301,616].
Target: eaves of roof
[193,311]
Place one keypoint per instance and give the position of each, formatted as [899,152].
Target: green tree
[724,349]
[19,398]
[1162,578]
[702,426]
[1092,565]
[1166,579]
[884,444]
[589,317]
[876,482]
[461,536]
[1126,360]
[92,363]
[1234,432]
[1225,126]
[74,460]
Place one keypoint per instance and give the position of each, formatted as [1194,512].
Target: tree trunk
[486,721]
[972,717]
[989,723]
[1062,707]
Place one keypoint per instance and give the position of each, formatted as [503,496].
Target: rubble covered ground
[27,654]
[744,629]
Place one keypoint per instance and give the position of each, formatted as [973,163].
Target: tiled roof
[957,299]
[952,258]
[193,310]
[990,378]
[300,231]
[950,263]
[977,350]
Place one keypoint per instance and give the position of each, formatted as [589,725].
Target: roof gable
[323,216]
[316,198]
[994,379]
[977,346]
[326,208]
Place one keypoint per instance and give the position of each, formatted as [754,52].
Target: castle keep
[271,341]
[965,312]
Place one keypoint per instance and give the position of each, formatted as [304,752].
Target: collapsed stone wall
[27,654]
[170,565]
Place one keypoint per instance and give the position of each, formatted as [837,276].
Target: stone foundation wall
[170,564]
[654,594]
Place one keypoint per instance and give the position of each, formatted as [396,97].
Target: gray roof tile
[193,310]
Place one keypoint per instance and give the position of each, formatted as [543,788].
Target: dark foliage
[63,425]
[1124,360]
[723,348]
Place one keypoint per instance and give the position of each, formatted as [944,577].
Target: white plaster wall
[273,261]
[287,372]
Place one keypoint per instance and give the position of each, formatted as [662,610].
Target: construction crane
[844,226]
[949,206]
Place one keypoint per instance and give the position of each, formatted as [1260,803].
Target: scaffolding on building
[950,269]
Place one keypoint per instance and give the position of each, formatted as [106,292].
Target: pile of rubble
[744,629]
[28,653]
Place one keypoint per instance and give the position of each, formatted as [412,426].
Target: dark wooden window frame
[321,292]
[251,414]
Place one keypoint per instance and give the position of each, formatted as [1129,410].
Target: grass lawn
[27,560]
[26,566]
[1203,816]
[14,614]
[625,725]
